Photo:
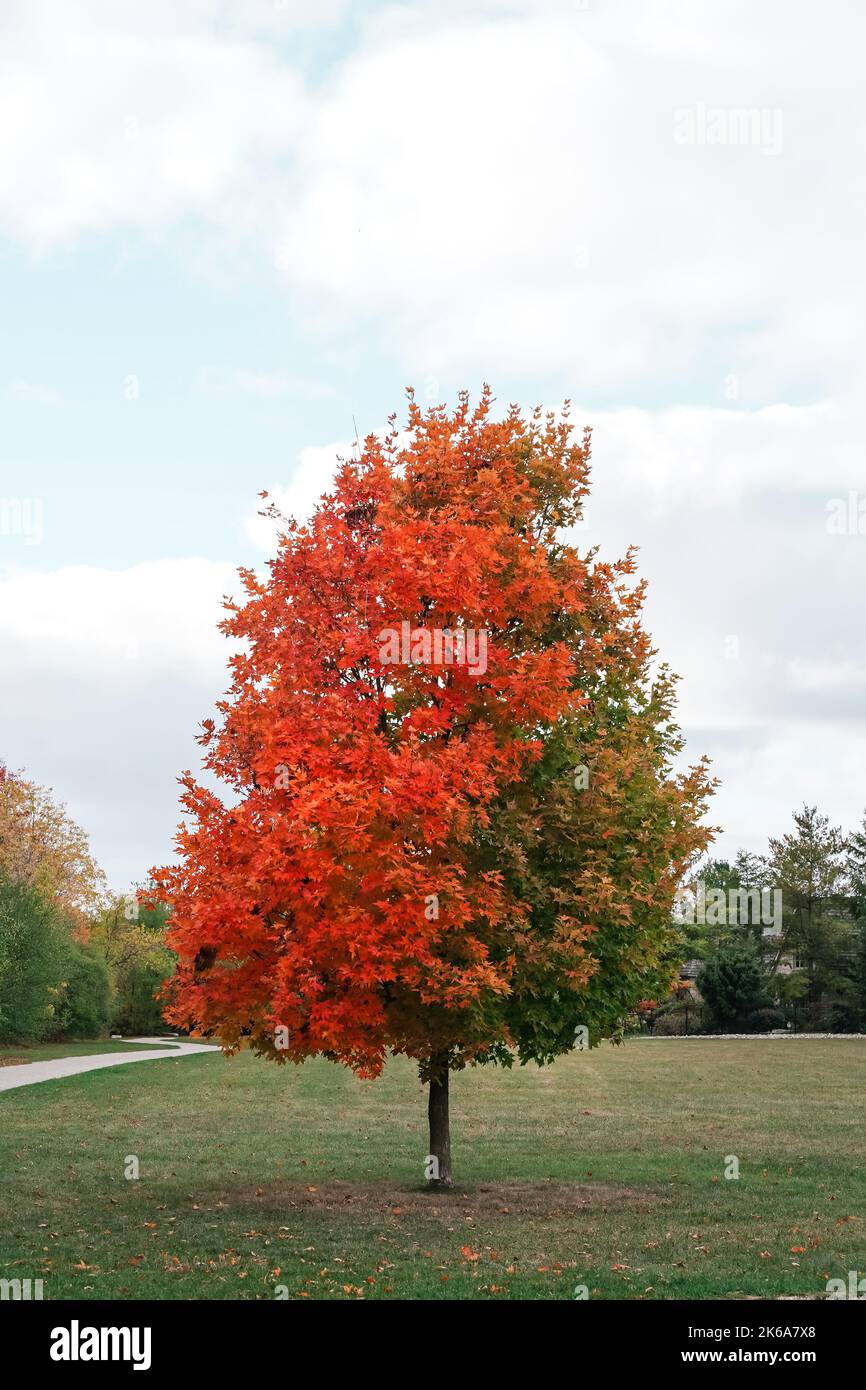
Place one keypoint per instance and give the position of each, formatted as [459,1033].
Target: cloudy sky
[230,227]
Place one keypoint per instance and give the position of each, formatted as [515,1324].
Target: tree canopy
[418,854]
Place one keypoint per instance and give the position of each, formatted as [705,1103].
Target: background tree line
[75,961]
[808,971]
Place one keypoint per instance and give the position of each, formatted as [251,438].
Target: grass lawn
[607,1169]
[46,1052]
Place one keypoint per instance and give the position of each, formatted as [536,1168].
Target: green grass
[47,1052]
[606,1170]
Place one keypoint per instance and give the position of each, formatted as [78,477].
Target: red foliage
[303,903]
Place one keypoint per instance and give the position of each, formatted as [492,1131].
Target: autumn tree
[449,824]
[42,847]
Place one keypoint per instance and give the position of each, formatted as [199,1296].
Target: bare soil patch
[540,1199]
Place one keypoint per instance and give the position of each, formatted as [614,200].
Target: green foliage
[54,986]
[855,867]
[130,934]
[855,870]
[599,853]
[137,1009]
[808,865]
[816,961]
[33,951]
[741,883]
[733,984]
[85,1002]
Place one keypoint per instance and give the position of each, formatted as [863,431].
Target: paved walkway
[749,1037]
[28,1073]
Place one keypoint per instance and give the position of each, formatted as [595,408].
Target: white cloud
[125,120]
[34,392]
[707,459]
[263,384]
[481,188]
[82,620]
[311,479]
[105,676]
[817,676]
[529,209]
[751,598]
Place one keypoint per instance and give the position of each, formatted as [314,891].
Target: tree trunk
[439,1171]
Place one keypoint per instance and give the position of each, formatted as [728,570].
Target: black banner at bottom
[167,1339]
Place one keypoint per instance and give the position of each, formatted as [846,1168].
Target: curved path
[28,1073]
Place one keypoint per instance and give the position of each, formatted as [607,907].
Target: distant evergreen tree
[733,983]
[856,874]
[808,865]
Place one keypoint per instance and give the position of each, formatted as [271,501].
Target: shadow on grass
[539,1199]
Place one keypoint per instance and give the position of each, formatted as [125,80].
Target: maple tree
[461,861]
